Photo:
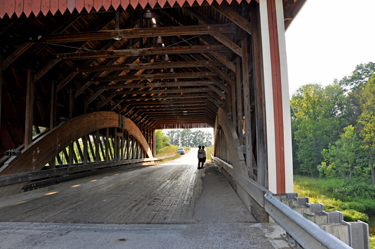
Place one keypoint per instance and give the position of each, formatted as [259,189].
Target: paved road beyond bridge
[172,205]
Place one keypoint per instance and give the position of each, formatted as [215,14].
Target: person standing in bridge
[200,156]
[204,156]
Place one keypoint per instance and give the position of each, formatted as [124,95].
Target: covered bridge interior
[85,84]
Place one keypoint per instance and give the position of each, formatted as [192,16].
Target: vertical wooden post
[116,145]
[133,150]
[71,103]
[1,85]
[71,156]
[234,107]
[259,99]
[106,145]
[120,141]
[239,100]
[247,107]
[97,155]
[228,100]
[153,143]
[29,113]
[85,137]
[127,145]
[52,120]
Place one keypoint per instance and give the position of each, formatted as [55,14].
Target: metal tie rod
[306,233]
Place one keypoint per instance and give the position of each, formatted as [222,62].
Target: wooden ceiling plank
[134,33]
[116,104]
[190,96]
[181,90]
[227,42]
[160,84]
[155,65]
[16,54]
[155,76]
[232,15]
[145,52]
[95,95]
[223,75]
[46,68]
[104,102]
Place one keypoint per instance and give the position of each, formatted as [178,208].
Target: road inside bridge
[171,205]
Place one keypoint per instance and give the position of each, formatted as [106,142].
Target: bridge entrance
[101,76]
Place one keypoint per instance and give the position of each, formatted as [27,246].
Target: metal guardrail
[304,232]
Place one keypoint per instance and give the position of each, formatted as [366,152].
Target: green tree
[367,120]
[359,77]
[161,140]
[353,84]
[174,137]
[315,123]
[342,159]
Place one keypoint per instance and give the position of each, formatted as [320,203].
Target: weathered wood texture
[29,110]
[247,108]
[41,151]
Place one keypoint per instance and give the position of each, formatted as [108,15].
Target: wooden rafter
[134,33]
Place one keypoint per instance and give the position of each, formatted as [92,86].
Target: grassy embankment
[328,193]
[170,150]
[209,151]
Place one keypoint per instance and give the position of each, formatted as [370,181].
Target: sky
[327,39]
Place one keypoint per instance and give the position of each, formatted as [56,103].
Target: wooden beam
[234,106]
[232,15]
[71,103]
[261,143]
[239,101]
[174,108]
[95,95]
[154,65]
[144,52]
[160,84]
[104,102]
[217,91]
[17,53]
[223,59]
[216,102]
[29,115]
[168,104]
[52,120]
[221,74]
[218,83]
[155,76]
[46,68]
[135,33]
[1,84]
[165,91]
[227,42]
[186,96]
[116,104]
[247,108]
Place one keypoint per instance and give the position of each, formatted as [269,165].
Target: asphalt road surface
[171,205]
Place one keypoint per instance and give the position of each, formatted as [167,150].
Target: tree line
[333,127]
[183,138]
[188,138]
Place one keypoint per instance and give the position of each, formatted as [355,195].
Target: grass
[170,150]
[209,151]
[372,242]
[322,191]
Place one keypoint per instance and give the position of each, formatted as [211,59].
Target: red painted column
[279,156]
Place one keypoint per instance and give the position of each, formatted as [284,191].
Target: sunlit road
[156,194]
[172,205]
